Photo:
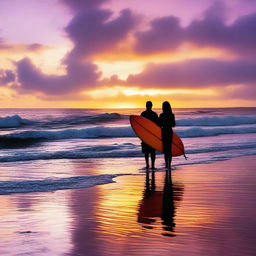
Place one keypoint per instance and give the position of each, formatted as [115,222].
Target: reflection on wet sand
[160,204]
[216,215]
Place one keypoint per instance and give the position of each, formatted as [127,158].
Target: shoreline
[113,168]
[203,209]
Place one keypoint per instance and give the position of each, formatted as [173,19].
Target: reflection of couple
[159,204]
[166,121]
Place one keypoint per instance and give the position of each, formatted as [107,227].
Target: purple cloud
[239,37]
[78,76]
[245,92]
[196,74]
[6,76]
[166,34]
[78,5]
[92,31]
[12,47]
[36,47]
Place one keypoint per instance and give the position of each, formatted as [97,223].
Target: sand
[204,209]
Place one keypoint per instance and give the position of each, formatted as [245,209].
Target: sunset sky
[116,53]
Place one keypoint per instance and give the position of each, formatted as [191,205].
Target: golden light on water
[203,205]
[116,210]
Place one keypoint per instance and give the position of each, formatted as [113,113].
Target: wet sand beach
[204,209]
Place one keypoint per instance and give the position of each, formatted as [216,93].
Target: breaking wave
[58,122]
[13,121]
[114,151]
[118,132]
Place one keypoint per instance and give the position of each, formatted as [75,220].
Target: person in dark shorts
[146,149]
[166,122]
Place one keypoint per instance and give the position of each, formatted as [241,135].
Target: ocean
[31,140]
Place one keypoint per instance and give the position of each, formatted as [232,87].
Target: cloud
[166,33]
[78,5]
[78,77]
[36,47]
[21,48]
[245,92]
[93,31]
[238,37]
[6,76]
[200,73]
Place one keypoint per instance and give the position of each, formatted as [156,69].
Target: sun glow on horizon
[122,105]
[121,59]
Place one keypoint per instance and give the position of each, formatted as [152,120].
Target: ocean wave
[53,184]
[73,120]
[52,122]
[86,133]
[13,121]
[105,151]
[217,121]
[199,157]
[117,132]
[76,120]
[115,150]
[220,147]
[208,132]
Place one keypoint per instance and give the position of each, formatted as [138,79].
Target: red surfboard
[150,133]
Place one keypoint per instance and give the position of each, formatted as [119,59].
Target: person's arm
[156,119]
[160,120]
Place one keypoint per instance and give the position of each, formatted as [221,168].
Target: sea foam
[217,121]
[52,184]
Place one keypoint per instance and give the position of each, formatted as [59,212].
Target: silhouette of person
[160,204]
[167,121]
[168,207]
[149,205]
[146,149]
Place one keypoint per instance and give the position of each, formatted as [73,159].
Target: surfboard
[150,133]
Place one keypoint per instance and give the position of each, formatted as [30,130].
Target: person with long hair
[167,121]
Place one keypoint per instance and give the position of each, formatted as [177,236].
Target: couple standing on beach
[166,121]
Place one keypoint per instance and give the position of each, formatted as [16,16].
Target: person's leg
[170,155]
[169,162]
[153,159]
[166,160]
[153,181]
[146,159]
